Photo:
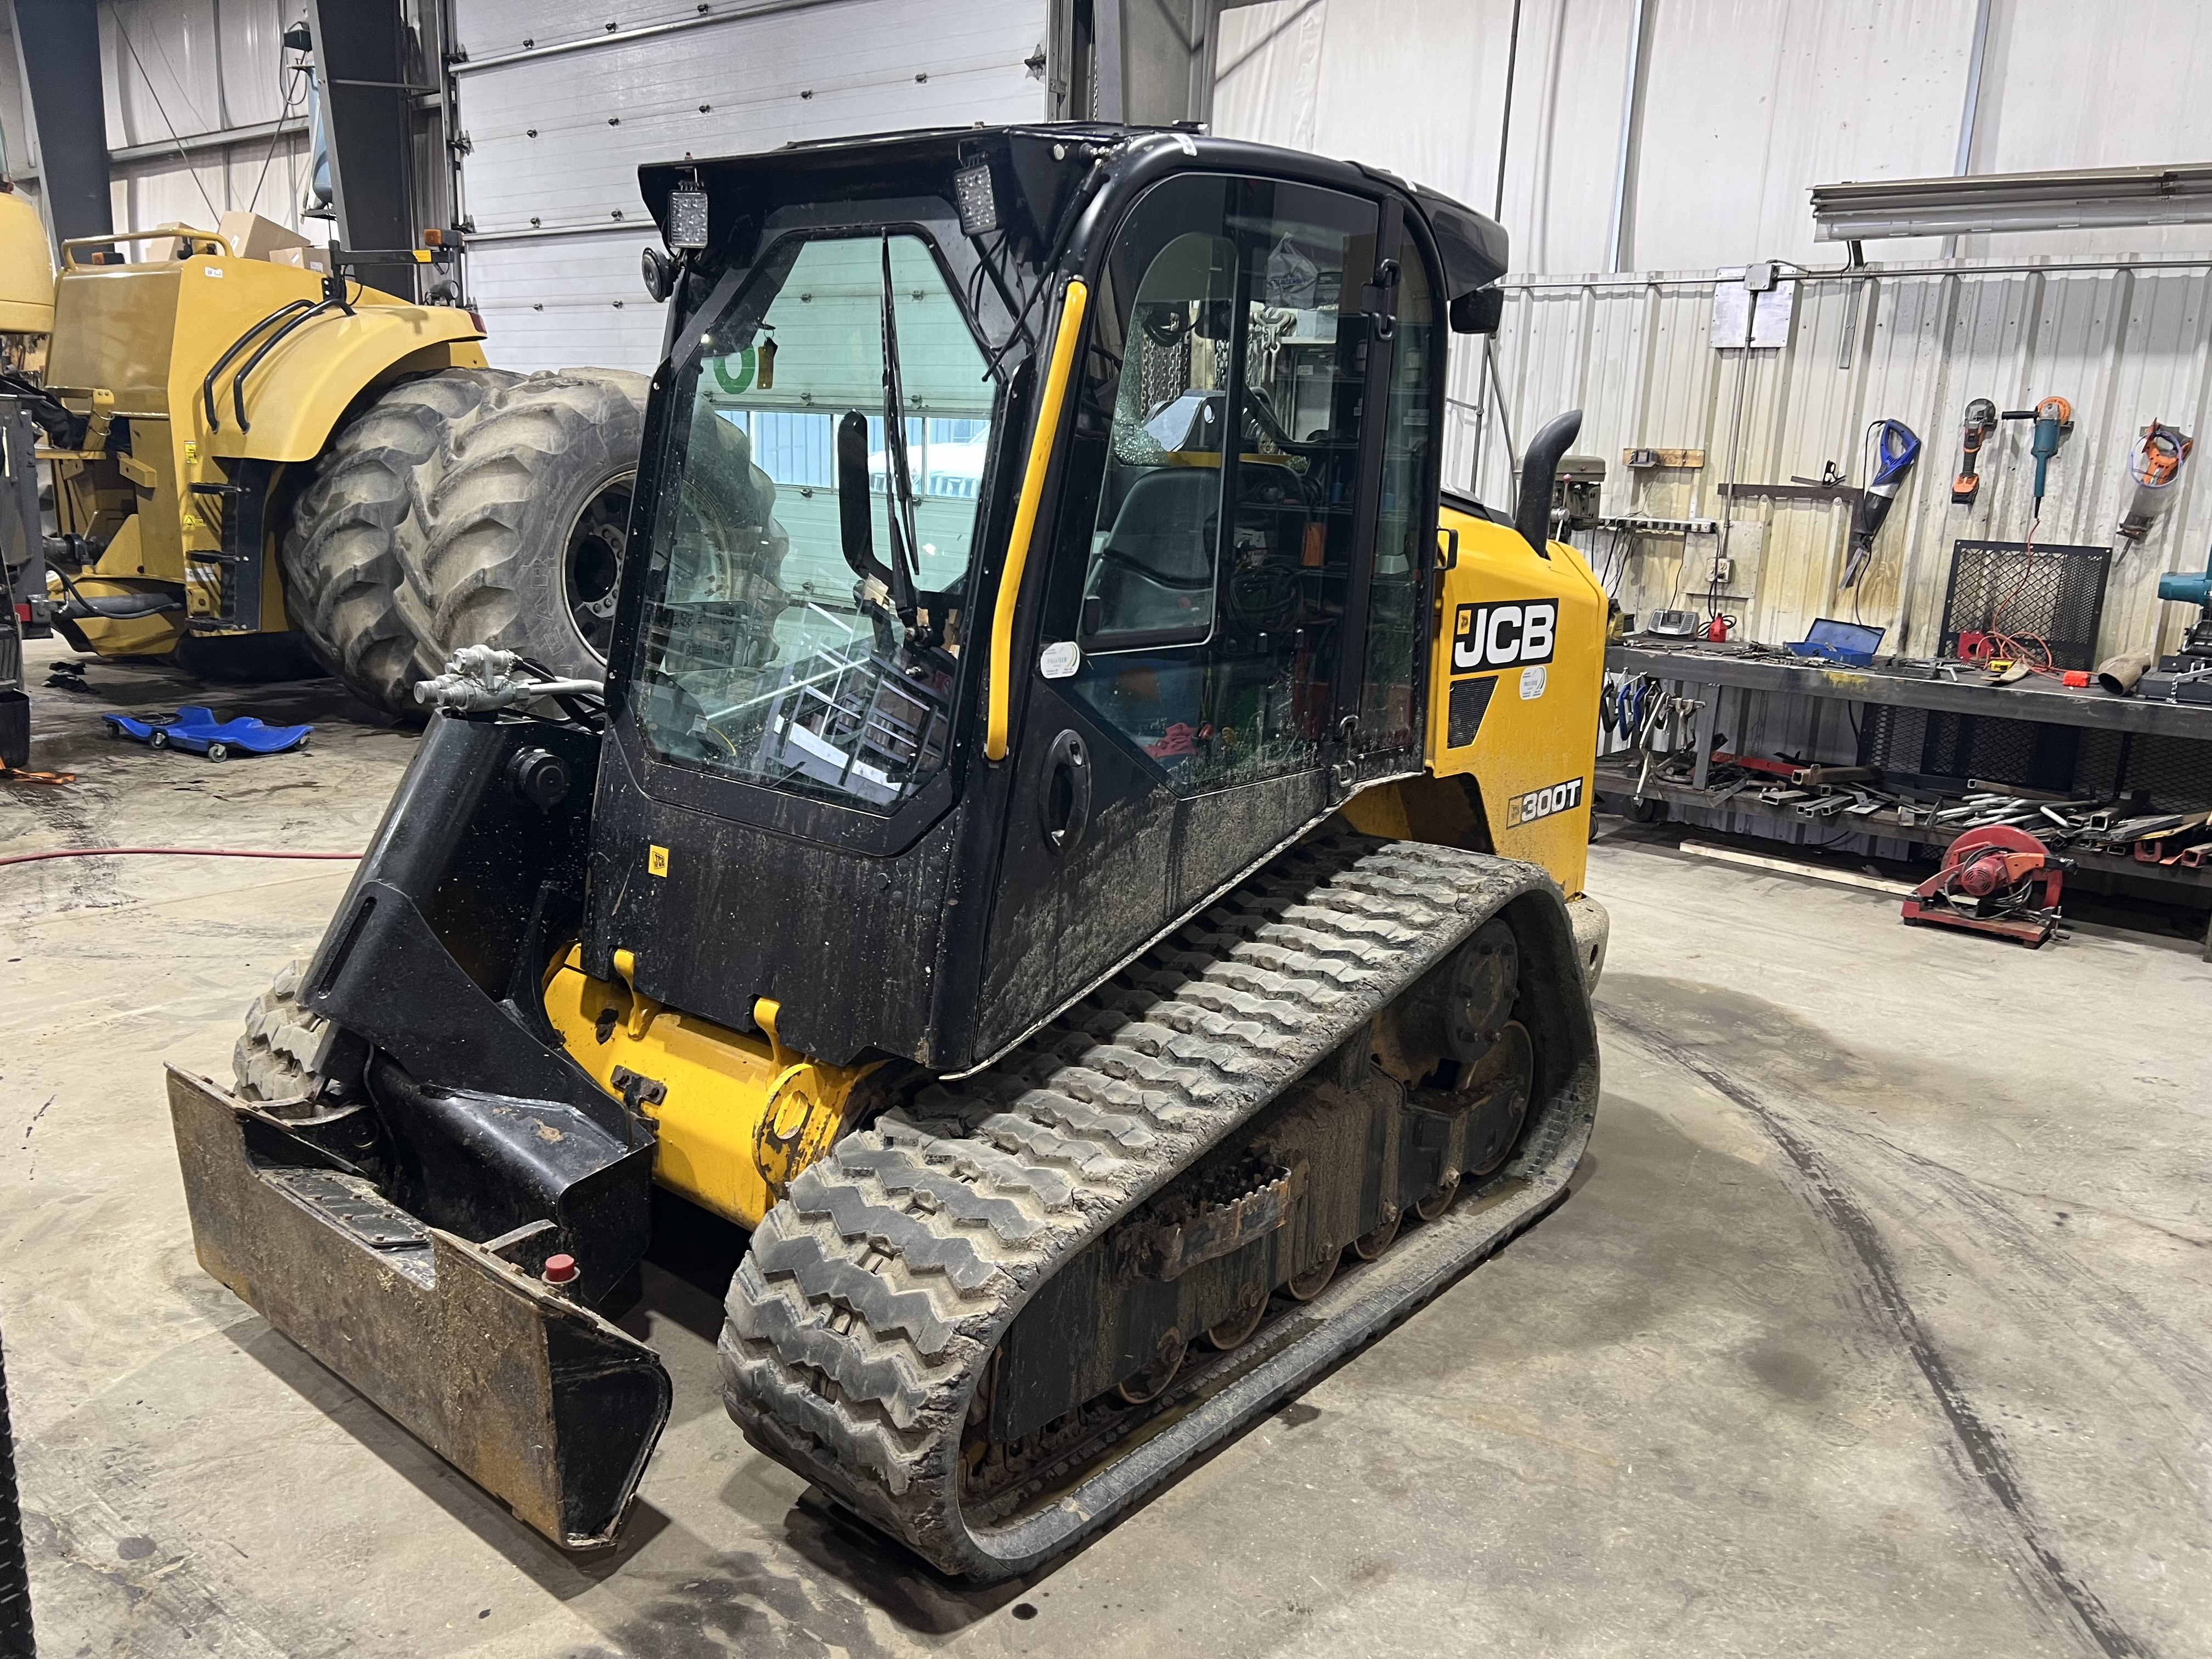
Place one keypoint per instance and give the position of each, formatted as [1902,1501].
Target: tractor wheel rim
[591,562]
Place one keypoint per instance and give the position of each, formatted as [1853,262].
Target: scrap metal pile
[1859,799]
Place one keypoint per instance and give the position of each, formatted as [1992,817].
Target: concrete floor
[1875,1323]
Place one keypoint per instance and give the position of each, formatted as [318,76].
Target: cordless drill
[2054,419]
[1981,418]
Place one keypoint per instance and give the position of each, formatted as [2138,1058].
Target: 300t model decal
[1543,803]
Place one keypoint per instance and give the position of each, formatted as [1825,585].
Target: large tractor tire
[280,1056]
[472,507]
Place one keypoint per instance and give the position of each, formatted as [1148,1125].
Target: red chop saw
[1998,879]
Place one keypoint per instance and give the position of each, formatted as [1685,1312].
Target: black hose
[64,429]
[115,607]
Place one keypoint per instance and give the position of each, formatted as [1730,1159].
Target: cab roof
[1040,171]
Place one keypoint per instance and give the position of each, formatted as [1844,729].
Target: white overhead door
[560,103]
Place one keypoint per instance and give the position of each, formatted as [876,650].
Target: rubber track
[283,1046]
[870,1296]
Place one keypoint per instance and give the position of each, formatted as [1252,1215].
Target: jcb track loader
[243,446]
[1079,852]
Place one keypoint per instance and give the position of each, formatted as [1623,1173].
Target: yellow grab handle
[1061,365]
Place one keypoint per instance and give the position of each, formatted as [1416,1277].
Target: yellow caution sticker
[656,860]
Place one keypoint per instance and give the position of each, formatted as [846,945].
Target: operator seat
[1155,568]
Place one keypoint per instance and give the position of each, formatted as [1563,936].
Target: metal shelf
[2032,699]
[1615,780]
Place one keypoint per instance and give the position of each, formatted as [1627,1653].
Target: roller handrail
[277,338]
[215,242]
[207,385]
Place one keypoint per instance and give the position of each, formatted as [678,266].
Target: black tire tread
[410,538]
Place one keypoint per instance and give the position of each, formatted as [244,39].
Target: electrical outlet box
[1708,573]
[1644,456]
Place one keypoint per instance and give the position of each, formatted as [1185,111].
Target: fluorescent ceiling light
[1992,202]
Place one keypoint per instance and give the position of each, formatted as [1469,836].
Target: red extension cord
[186,851]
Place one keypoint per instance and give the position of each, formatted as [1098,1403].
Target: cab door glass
[1397,623]
[765,656]
[1216,470]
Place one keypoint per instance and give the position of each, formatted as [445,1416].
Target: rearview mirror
[855,522]
[1479,312]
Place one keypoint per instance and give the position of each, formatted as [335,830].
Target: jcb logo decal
[1543,803]
[1511,634]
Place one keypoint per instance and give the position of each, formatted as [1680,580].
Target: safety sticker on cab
[1544,803]
[1508,634]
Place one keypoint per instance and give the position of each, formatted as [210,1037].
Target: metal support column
[15,1640]
[1150,62]
[1708,720]
[361,67]
[1969,118]
[60,43]
[22,579]
[1109,62]
[1632,121]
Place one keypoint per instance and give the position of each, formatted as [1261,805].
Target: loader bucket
[544,1403]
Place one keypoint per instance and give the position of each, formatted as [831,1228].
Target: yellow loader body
[168,355]
[738,1117]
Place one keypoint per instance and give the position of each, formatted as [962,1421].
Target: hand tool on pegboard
[1894,448]
[2154,467]
[1996,880]
[2015,650]
[1981,421]
[2054,421]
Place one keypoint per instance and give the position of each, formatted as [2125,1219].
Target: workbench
[1705,671]
[1904,686]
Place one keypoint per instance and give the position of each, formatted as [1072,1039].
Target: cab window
[1215,476]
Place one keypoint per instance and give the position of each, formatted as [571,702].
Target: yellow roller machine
[244,444]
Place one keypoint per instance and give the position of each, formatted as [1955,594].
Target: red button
[560,1269]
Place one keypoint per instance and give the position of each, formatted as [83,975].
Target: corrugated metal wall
[1746,105]
[556,128]
[175,69]
[173,72]
[1744,99]
[2124,347]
